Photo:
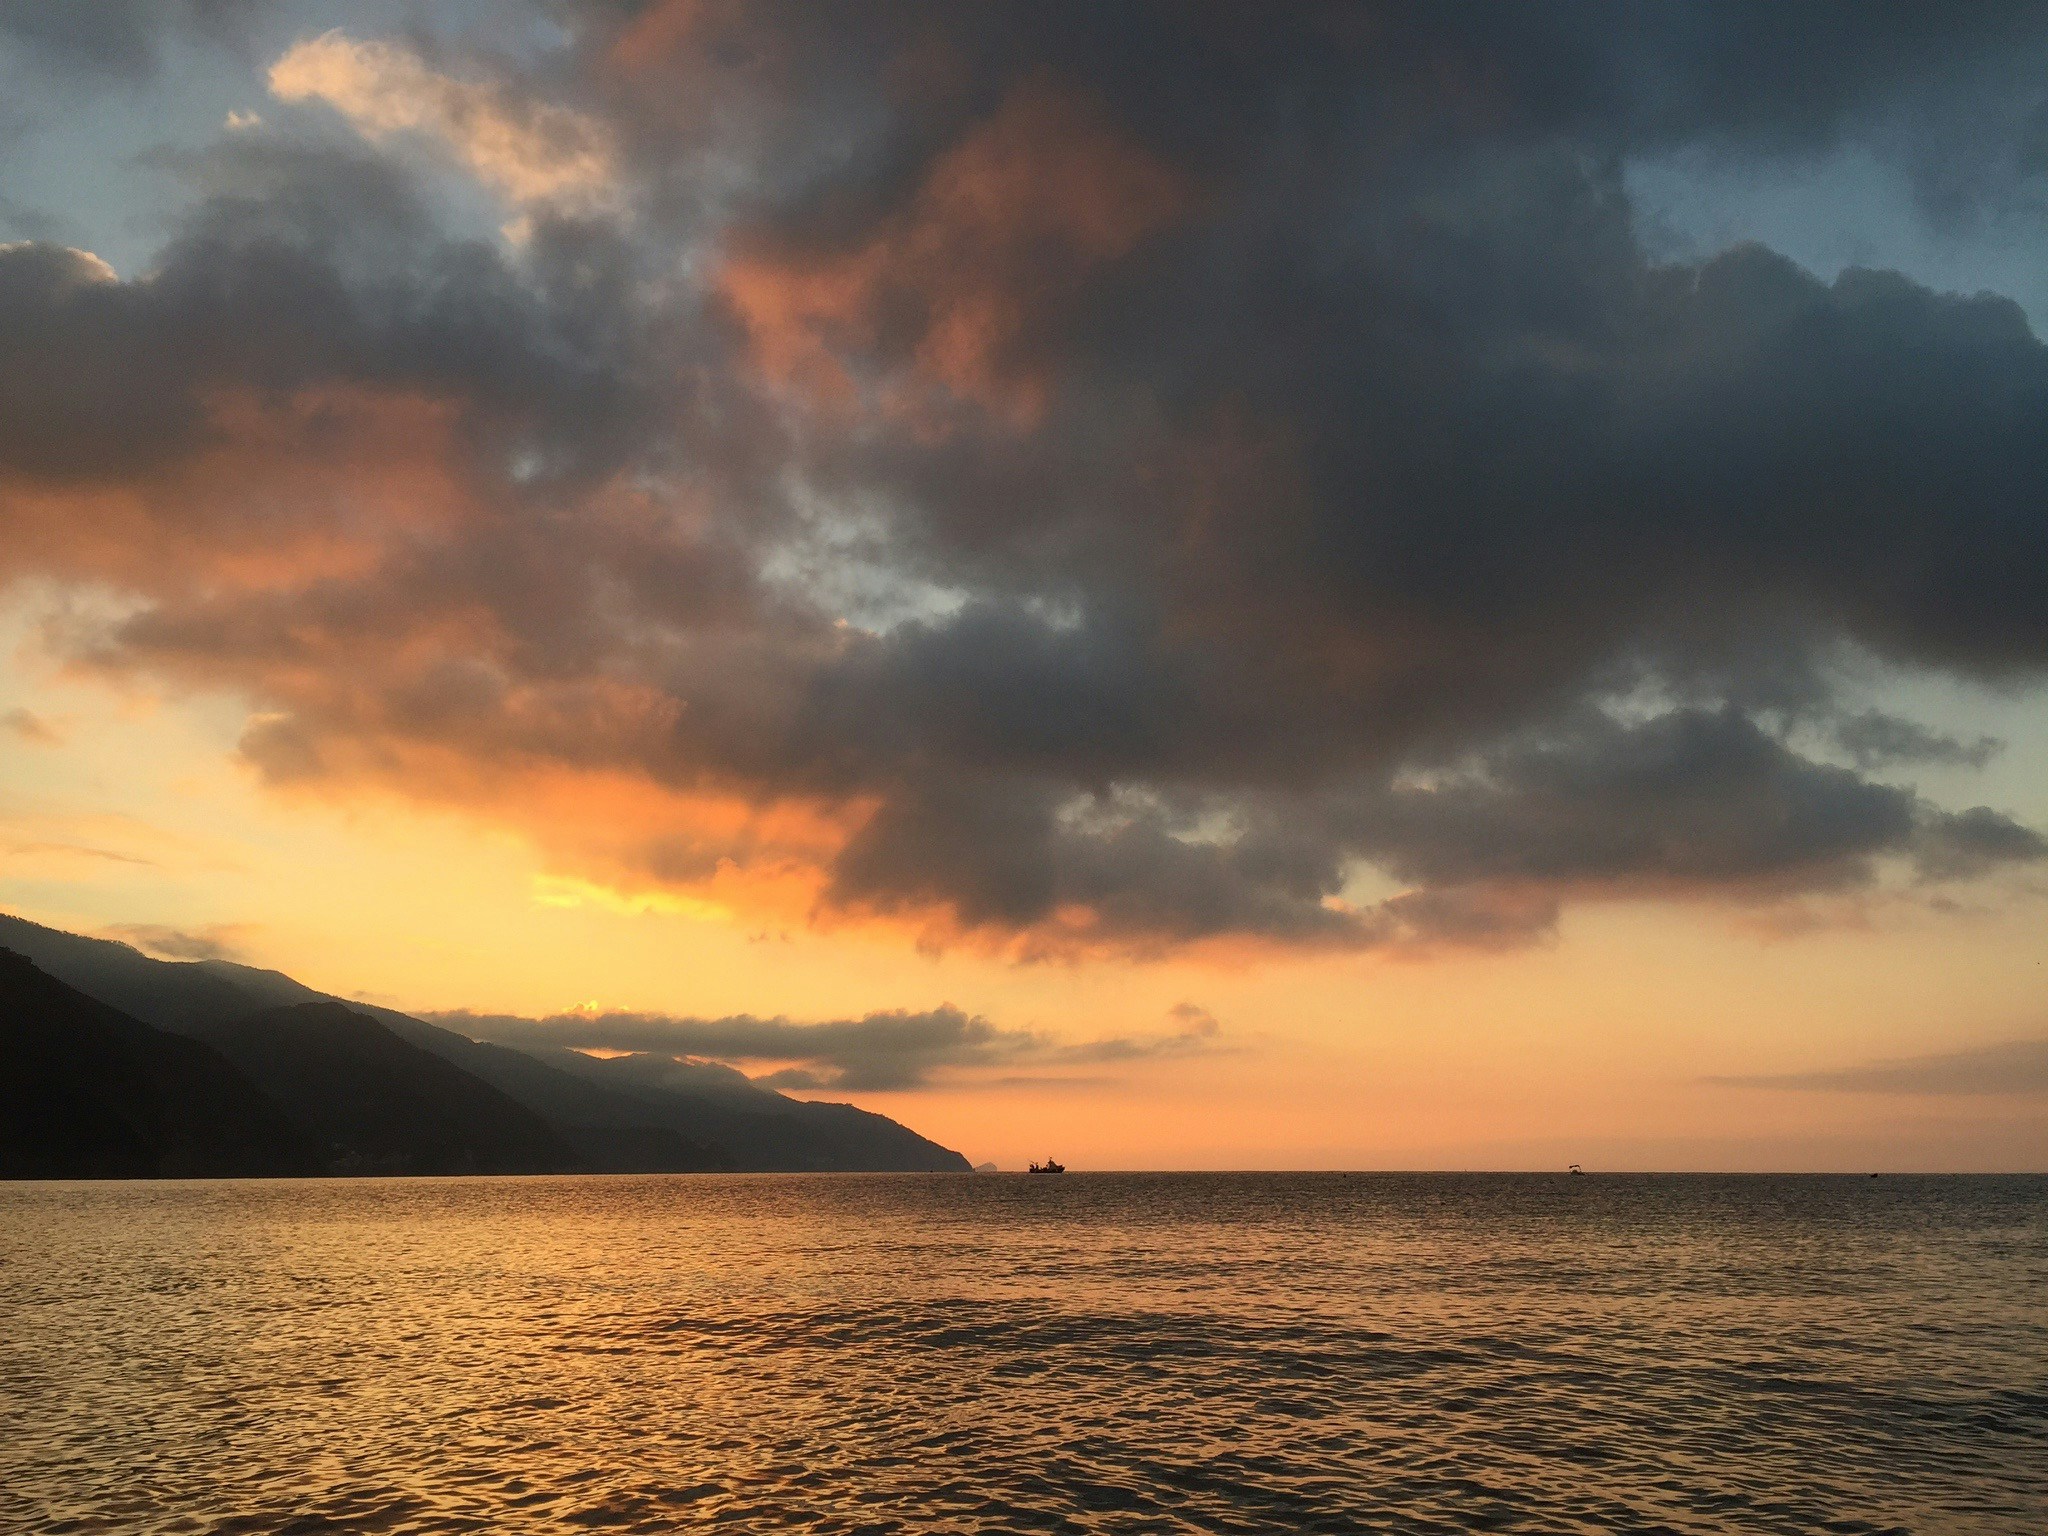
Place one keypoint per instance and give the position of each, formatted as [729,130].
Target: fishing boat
[1575,1168]
[1048,1166]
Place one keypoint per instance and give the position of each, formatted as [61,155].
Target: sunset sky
[1176,586]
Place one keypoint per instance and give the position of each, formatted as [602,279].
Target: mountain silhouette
[763,1130]
[376,1090]
[377,1104]
[88,1092]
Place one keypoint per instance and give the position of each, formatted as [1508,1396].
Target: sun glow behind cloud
[534,152]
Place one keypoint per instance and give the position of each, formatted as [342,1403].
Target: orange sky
[1592,1048]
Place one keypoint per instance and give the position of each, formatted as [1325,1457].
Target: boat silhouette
[1049,1166]
[1575,1168]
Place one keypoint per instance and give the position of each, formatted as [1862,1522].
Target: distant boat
[1575,1168]
[1048,1166]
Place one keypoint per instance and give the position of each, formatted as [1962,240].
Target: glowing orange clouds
[273,493]
[534,152]
[997,241]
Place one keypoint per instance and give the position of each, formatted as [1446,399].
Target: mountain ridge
[542,1111]
[86,1091]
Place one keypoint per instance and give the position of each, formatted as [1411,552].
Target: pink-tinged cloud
[1000,240]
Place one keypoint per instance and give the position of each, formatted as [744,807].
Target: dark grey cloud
[2018,1067]
[1874,739]
[1689,797]
[120,40]
[1688,801]
[890,1051]
[1273,448]
[302,266]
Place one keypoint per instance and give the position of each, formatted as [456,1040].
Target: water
[1087,1354]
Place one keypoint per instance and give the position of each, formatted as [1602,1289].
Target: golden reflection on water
[1093,1353]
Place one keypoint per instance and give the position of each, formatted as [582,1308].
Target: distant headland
[116,1065]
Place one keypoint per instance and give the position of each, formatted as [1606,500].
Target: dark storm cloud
[1688,798]
[1012,854]
[1686,801]
[2017,1067]
[884,1052]
[1270,448]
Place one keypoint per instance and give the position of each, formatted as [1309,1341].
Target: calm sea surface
[997,1354]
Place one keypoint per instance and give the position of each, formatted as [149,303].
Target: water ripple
[1087,1355]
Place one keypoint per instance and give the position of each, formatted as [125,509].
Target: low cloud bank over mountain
[882,1051]
[116,1064]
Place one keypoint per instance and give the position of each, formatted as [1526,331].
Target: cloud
[1195,1031]
[65,855]
[880,1052]
[534,152]
[1874,739]
[217,941]
[1071,479]
[67,845]
[1686,798]
[1686,802]
[2018,1067]
[118,41]
[25,725]
[1040,195]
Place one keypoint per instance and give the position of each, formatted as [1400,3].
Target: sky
[1173,585]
